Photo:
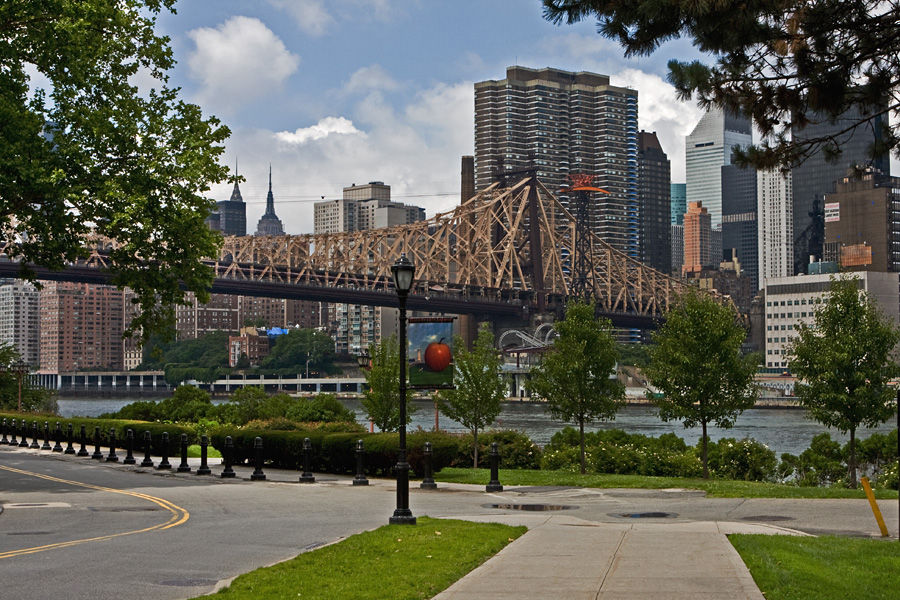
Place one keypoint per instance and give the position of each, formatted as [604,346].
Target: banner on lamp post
[430,353]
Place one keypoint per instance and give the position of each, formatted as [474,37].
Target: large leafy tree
[697,366]
[480,387]
[381,399]
[83,151]
[844,361]
[294,348]
[33,398]
[785,63]
[577,374]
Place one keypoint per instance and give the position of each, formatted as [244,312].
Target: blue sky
[350,91]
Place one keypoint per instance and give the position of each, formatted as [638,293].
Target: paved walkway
[565,557]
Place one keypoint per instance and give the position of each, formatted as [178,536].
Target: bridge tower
[583,284]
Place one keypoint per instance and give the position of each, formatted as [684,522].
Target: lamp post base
[402,517]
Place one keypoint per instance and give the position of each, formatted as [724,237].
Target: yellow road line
[179,515]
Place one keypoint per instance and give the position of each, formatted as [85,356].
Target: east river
[781,429]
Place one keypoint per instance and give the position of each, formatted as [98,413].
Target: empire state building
[269,223]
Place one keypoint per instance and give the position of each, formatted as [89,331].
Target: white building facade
[776,224]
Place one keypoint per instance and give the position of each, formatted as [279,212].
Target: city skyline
[353,91]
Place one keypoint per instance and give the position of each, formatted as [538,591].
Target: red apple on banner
[437,356]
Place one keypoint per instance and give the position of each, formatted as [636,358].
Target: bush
[563,458]
[744,459]
[821,464]
[516,450]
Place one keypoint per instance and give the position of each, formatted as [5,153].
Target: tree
[785,63]
[577,375]
[697,366]
[294,348]
[480,387]
[381,399]
[843,362]
[33,398]
[84,151]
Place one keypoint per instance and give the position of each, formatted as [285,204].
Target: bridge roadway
[511,306]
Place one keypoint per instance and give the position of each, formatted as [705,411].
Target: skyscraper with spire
[230,216]
[269,223]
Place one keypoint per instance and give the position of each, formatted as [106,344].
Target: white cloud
[311,15]
[237,62]
[324,128]
[373,77]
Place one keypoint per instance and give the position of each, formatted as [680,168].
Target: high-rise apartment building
[815,177]
[708,148]
[230,216]
[654,189]
[81,327]
[775,234]
[564,123]
[20,324]
[740,231]
[194,320]
[696,239]
[677,248]
[678,194]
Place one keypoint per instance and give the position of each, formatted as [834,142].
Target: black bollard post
[112,457]
[228,453]
[13,440]
[148,441]
[428,480]
[35,432]
[23,433]
[46,444]
[306,476]
[258,474]
[97,455]
[204,445]
[4,441]
[57,438]
[129,448]
[184,467]
[164,461]
[70,449]
[494,484]
[83,451]
[360,478]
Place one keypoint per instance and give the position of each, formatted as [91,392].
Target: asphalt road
[96,530]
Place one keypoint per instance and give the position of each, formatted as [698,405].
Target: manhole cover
[189,582]
[530,507]
[768,518]
[646,515]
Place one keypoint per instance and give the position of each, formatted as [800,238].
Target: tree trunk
[704,453]
[852,461]
[475,432]
[581,426]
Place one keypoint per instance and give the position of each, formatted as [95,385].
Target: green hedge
[121,426]
[336,452]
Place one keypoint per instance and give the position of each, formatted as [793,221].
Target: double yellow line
[179,515]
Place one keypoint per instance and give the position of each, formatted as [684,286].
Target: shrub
[516,450]
[744,459]
[563,459]
[820,464]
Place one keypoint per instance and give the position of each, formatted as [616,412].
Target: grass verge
[715,488]
[394,561]
[825,568]
[194,452]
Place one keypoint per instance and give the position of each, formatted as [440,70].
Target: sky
[337,92]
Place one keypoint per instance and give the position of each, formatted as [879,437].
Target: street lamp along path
[403,272]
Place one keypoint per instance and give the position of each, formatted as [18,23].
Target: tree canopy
[480,387]
[697,366]
[785,63]
[577,374]
[381,400]
[843,362]
[292,349]
[85,152]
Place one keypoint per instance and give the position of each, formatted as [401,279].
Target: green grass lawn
[394,561]
[194,452]
[717,488]
[824,568]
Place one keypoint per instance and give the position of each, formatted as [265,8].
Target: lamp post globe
[403,272]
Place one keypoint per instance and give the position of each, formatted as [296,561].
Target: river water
[781,429]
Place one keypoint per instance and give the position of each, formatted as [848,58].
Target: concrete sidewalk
[565,557]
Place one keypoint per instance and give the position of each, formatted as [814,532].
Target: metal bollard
[148,441]
[129,448]
[70,449]
[428,480]
[83,451]
[360,478]
[228,455]
[24,443]
[4,440]
[112,457]
[494,484]
[97,455]
[57,438]
[306,476]
[184,467]
[258,474]
[204,445]
[164,461]
[46,444]
[13,441]
[35,432]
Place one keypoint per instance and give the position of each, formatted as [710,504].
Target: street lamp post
[307,365]
[403,272]
[18,368]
